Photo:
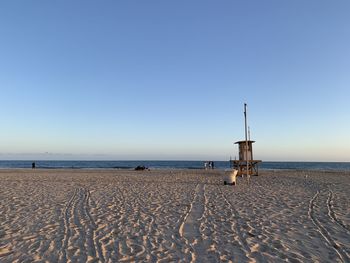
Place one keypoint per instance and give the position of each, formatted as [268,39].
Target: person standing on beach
[33,165]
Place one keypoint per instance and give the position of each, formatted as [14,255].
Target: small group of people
[208,165]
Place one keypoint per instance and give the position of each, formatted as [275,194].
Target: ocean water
[335,166]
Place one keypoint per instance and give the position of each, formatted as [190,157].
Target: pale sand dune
[173,216]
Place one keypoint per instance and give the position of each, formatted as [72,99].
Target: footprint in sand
[5,251]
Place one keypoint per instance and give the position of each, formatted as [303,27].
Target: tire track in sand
[236,227]
[190,228]
[67,230]
[91,227]
[333,215]
[79,229]
[323,231]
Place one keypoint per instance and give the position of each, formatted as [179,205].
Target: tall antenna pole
[246,141]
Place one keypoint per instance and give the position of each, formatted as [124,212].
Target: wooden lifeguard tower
[246,160]
[246,163]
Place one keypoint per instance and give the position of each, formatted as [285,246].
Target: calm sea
[343,166]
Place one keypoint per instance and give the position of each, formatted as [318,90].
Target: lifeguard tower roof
[243,142]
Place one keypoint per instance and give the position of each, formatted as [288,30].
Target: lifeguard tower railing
[241,166]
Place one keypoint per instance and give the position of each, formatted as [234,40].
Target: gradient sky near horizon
[168,79]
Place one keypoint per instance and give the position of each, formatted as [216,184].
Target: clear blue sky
[168,79]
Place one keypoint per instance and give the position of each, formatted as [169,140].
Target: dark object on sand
[140,168]
[33,165]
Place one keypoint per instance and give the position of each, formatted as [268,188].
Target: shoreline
[190,165]
[261,170]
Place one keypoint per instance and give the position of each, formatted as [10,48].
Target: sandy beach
[173,216]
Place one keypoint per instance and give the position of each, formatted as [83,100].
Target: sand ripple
[173,216]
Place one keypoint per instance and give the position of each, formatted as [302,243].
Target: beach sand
[173,216]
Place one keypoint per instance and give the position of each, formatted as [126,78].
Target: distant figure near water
[33,165]
[208,165]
